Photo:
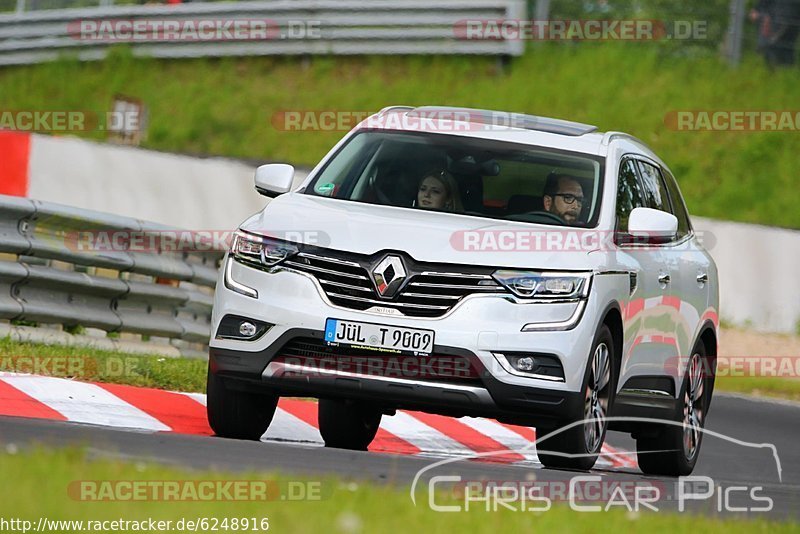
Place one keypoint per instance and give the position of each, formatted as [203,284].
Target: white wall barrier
[758,265]
[758,273]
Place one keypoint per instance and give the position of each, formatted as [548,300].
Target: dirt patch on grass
[734,342]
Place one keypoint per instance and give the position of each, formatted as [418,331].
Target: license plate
[379,337]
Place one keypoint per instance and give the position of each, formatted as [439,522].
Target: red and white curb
[153,410]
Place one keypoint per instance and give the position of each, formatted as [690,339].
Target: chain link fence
[729,27]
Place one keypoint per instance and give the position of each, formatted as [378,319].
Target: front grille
[430,290]
[315,354]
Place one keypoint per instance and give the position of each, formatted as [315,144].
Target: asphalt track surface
[745,474]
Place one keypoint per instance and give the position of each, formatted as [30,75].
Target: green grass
[187,374]
[42,478]
[177,374]
[760,386]
[225,106]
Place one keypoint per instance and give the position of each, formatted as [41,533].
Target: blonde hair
[453,202]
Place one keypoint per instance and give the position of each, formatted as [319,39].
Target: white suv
[473,263]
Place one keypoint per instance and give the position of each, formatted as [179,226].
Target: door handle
[663,278]
[702,278]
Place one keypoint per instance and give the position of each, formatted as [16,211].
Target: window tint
[629,194]
[655,192]
[477,177]
[679,207]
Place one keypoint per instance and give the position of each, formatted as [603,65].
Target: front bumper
[476,329]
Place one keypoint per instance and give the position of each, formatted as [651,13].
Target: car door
[647,326]
[691,285]
[682,295]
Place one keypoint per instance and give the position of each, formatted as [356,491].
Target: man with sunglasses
[563,196]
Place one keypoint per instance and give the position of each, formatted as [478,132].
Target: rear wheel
[578,446]
[346,424]
[672,450]
[238,414]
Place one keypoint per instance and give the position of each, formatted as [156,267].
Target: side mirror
[654,225]
[274,179]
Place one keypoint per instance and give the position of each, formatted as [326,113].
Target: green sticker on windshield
[325,189]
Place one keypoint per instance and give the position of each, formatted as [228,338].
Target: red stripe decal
[671,302]
[619,458]
[16,403]
[15,147]
[524,431]
[384,440]
[710,314]
[179,412]
[634,308]
[468,437]
[306,411]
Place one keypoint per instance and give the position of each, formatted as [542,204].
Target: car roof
[521,128]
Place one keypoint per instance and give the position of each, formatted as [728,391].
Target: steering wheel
[525,217]
[372,179]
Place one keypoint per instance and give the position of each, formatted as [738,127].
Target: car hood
[425,236]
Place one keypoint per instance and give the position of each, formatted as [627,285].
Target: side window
[629,194]
[655,192]
[678,205]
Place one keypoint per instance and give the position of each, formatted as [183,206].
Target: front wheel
[347,424]
[672,449]
[238,414]
[577,444]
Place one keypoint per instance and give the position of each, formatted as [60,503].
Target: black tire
[661,450]
[348,424]
[238,414]
[579,446]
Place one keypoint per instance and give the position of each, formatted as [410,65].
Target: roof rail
[610,136]
[387,109]
[505,119]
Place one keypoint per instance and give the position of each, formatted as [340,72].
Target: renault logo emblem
[389,275]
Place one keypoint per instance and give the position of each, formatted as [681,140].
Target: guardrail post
[733,50]
[542,11]
[20,7]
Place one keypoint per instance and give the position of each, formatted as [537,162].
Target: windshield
[478,177]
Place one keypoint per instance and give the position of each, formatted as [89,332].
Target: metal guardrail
[345,27]
[47,276]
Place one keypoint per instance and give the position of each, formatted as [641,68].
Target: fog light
[536,365]
[241,328]
[526,363]
[247,329]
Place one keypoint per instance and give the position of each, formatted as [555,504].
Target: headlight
[543,285]
[259,251]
